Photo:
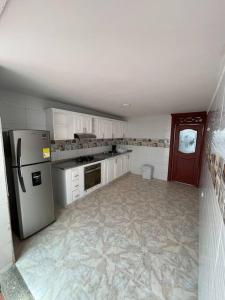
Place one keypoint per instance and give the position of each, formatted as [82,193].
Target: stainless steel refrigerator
[28,159]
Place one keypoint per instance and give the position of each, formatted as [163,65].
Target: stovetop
[86,158]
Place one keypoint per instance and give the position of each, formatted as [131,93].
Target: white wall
[6,247]
[212,227]
[20,111]
[154,127]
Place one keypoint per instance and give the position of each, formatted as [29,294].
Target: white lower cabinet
[126,163]
[68,184]
[116,167]
[110,170]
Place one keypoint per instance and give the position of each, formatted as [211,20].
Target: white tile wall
[150,127]
[6,246]
[212,228]
[156,156]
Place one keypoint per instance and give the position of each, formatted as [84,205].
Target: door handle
[21,180]
[18,159]
[92,170]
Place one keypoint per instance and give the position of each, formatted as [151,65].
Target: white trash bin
[147,171]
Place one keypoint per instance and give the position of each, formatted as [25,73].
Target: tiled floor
[133,239]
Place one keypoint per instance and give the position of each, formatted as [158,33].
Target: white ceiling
[159,56]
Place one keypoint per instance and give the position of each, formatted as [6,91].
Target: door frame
[6,242]
[191,118]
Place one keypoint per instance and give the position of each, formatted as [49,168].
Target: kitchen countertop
[71,163]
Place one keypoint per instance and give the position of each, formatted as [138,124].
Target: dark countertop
[71,163]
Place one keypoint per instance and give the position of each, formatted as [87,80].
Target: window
[187,141]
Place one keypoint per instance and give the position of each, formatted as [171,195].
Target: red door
[187,137]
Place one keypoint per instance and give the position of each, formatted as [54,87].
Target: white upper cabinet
[82,123]
[106,129]
[118,129]
[102,128]
[62,125]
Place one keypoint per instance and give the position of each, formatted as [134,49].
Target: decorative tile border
[164,143]
[66,145]
[216,165]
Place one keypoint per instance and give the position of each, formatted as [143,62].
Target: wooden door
[187,138]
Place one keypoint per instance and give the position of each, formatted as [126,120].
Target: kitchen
[111,150]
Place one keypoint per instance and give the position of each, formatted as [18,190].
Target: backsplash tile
[67,145]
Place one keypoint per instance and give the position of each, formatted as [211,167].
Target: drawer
[75,183]
[75,194]
[75,174]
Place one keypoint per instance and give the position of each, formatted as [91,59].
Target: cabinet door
[129,162]
[77,123]
[87,124]
[119,166]
[104,172]
[123,129]
[118,129]
[62,126]
[82,123]
[110,170]
[107,128]
[96,128]
[103,128]
[126,163]
[115,129]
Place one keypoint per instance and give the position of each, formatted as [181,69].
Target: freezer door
[35,205]
[29,146]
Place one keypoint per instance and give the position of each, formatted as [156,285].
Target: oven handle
[92,170]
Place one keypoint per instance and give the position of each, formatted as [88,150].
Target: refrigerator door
[35,205]
[29,147]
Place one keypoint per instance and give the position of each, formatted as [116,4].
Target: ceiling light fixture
[126,104]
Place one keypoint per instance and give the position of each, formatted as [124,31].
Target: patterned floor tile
[133,239]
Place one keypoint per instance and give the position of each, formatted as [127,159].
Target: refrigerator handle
[18,154]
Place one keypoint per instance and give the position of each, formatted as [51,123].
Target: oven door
[92,176]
